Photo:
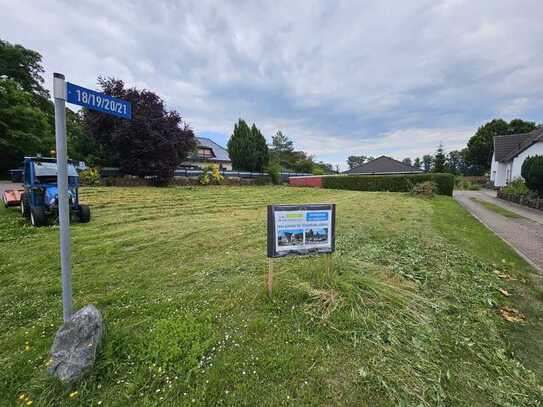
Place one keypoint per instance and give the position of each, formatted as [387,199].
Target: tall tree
[247,148]
[281,144]
[354,161]
[262,153]
[26,113]
[455,162]
[481,144]
[153,143]
[439,161]
[407,161]
[25,129]
[417,163]
[23,66]
[427,162]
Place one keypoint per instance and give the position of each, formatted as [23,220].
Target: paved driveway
[524,234]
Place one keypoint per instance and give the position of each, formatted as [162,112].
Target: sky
[339,78]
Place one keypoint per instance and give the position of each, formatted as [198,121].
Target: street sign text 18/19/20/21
[98,101]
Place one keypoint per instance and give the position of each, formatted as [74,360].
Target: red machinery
[12,197]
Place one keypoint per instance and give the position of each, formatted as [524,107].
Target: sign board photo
[301,229]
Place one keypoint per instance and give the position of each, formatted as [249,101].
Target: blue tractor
[39,201]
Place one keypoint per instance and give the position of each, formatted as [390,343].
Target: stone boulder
[74,350]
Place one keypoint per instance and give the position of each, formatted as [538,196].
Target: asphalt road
[524,234]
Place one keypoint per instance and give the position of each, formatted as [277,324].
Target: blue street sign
[98,101]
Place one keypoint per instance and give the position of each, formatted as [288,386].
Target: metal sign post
[64,91]
[59,93]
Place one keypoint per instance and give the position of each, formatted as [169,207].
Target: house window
[204,152]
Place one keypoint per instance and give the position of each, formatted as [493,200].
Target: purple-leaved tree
[153,143]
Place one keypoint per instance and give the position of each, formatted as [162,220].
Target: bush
[517,188]
[425,189]
[90,177]
[274,170]
[216,176]
[391,183]
[204,177]
[317,170]
[532,172]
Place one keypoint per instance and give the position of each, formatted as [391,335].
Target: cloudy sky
[338,77]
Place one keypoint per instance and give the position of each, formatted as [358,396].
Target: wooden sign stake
[270,276]
[328,261]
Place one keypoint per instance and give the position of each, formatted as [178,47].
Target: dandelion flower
[74,394]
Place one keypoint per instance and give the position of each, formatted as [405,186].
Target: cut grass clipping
[411,315]
[497,209]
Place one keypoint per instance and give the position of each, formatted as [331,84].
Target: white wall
[536,149]
[498,173]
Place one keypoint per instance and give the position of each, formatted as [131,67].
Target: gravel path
[524,234]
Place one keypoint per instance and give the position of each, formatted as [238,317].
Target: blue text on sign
[316,216]
[98,101]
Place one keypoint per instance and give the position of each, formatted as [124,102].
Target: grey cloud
[356,73]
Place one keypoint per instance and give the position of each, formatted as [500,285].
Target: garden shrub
[90,177]
[532,172]
[391,183]
[215,178]
[424,189]
[204,177]
[274,171]
[516,188]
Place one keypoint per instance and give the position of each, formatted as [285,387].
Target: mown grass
[409,315]
[497,209]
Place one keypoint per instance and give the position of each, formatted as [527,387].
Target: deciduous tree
[354,161]
[153,143]
[427,162]
[23,66]
[25,129]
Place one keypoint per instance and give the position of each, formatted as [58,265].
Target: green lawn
[410,315]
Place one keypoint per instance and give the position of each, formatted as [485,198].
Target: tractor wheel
[84,214]
[25,206]
[37,216]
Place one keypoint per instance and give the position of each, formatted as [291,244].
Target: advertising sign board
[301,229]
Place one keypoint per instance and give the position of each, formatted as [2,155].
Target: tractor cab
[39,200]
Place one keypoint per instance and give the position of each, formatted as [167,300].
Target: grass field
[410,315]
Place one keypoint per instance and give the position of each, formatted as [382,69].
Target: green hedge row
[391,183]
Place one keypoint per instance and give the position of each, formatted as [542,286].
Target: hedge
[391,183]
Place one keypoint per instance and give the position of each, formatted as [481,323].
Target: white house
[510,152]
